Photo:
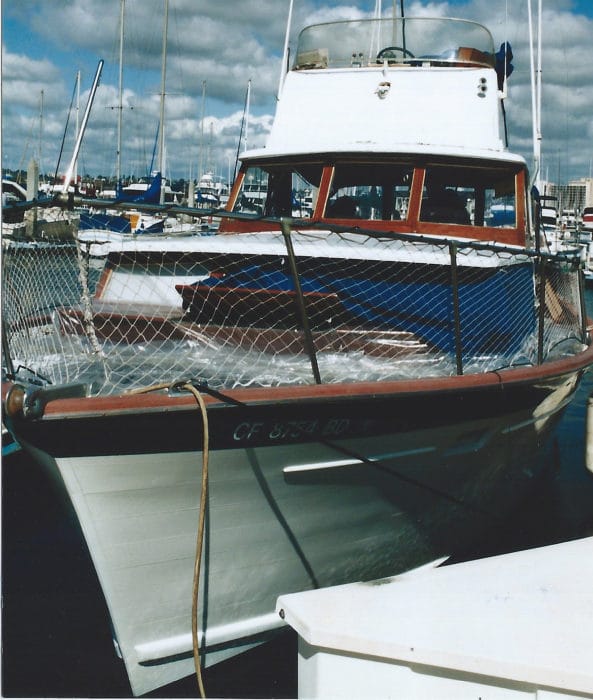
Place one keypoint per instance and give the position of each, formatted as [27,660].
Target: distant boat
[211,192]
[155,191]
[37,224]
[568,218]
[588,218]
[502,214]
[140,192]
[12,192]
[314,401]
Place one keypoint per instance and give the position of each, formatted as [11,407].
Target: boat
[294,403]
[12,191]
[211,191]
[569,219]
[115,225]
[33,224]
[588,219]
[550,229]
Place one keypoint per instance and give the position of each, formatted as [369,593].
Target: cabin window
[253,192]
[279,190]
[369,192]
[469,196]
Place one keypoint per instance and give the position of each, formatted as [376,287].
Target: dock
[517,625]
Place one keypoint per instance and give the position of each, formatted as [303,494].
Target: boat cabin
[390,194]
[390,125]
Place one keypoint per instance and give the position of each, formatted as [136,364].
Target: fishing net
[269,309]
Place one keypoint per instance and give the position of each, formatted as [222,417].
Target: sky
[214,49]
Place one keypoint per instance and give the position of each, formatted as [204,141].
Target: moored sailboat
[376,380]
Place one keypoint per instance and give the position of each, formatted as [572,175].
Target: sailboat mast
[162,114]
[201,156]
[85,119]
[539,78]
[77,121]
[120,92]
[40,130]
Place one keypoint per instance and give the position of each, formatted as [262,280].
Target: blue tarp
[496,312]
[105,222]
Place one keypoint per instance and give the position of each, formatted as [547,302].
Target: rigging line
[269,496]
[286,53]
[241,130]
[87,305]
[401,6]
[197,390]
[10,373]
[381,466]
[65,132]
[156,142]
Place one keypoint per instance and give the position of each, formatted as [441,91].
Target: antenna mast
[284,66]
[535,91]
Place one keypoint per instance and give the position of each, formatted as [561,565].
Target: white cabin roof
[422,109]
[439,95]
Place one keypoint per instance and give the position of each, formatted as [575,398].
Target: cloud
[226,45]
[24,78]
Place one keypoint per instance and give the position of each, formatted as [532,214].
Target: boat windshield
[469,196]
[279,190]
[413,41]
[364,192]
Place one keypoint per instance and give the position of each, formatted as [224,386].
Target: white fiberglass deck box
[513,626]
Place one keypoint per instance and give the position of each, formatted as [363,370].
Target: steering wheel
[389,53]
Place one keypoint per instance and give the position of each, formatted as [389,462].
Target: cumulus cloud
[226,45]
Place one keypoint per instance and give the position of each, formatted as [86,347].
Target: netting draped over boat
[227,310]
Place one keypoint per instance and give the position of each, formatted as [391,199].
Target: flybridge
[392,86]
[416,41]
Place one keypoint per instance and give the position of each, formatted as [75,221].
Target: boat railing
[305,306]
[416,41]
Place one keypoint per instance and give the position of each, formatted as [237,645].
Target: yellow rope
[201,521]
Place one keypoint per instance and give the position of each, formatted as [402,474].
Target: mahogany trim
[327,175]
[521,204]
[228,225]
[103,281]
[339,392]
[415,201]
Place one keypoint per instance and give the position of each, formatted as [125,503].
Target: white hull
[282,519]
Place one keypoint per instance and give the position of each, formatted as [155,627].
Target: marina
[52,597]
[362,358]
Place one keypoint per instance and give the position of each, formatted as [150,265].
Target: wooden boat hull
[315,488]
